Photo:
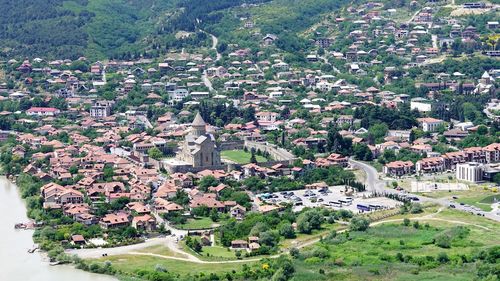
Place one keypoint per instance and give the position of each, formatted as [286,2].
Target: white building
[429,124]
[471,172]
[178,94]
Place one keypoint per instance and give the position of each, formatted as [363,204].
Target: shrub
[406,222]
[359,224]
[339,262]
[160,268]
[442,241]
[442,258]
[416,225]
[416,208]
[295,253]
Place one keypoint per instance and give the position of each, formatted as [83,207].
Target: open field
[387,251]
[482,202]
[211,253]
[161,250]
[196,223]
[129,264]
[240,156]
[476,195]
[315,234]
[393,251]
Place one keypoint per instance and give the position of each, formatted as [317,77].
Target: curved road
[374,184]
[218,56]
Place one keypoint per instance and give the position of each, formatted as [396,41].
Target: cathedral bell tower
[198,126]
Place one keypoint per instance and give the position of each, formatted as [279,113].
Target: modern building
[430,165]
[471,172]
[399,168]
[101,109]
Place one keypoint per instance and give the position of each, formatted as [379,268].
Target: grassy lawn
[211,253]
[196,223]
[161,250]
[240,156]
[482,202]
[475,192]
[476,196]
[217,251]
[129,264]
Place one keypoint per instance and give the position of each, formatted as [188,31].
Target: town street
[204,77]
[374,184]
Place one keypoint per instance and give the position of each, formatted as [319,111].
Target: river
[15,262]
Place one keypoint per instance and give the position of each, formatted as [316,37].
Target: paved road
[98,252]
[218,56]
[375,184]
[413,17]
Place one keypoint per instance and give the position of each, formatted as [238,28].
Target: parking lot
[419,186]
[333,197]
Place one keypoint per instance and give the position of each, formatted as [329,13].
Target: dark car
[452,206]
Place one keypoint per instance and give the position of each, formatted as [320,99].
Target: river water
[16,264]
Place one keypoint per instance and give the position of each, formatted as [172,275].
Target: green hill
[101,28]
[128,28]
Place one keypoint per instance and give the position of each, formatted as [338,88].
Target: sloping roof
[198,120]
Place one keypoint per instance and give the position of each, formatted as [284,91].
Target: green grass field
[196,223]
[371,255]
[240,156]
[129,264]
[482,202]
[211,253]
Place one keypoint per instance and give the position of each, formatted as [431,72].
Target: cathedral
[199,148]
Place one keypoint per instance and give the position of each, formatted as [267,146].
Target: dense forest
[103,28]
[128,29]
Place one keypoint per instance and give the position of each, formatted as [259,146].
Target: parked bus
[345,202]
[335,204]
[363,208]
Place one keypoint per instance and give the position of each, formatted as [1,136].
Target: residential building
[114,220]
[399,168]
[430,124]
[101,109]
[43,111]
[471,172]
[430,165]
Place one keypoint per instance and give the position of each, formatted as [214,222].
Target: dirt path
[196,260]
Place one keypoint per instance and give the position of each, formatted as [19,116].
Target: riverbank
[17,263]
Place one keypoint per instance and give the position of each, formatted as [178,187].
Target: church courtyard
[240,156]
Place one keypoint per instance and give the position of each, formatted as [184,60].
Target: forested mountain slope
[100,28]
[129,28]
